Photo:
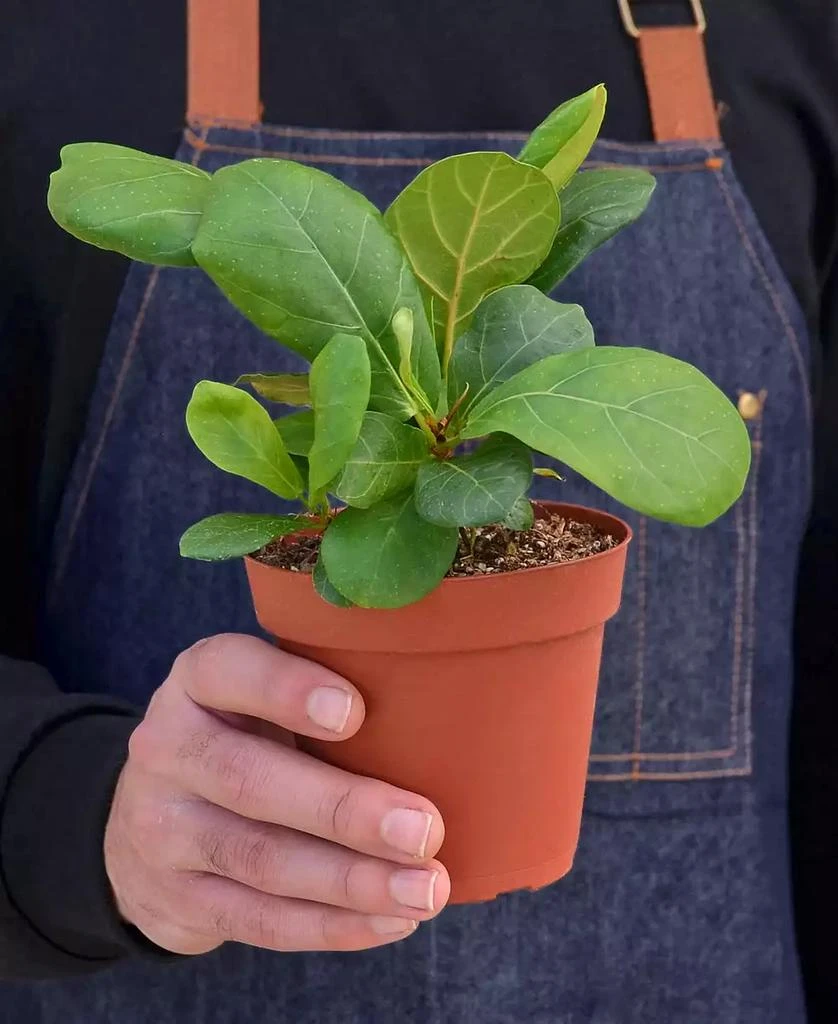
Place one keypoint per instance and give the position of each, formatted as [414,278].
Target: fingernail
[414,888]
[329,707]
[392,925]
[407,830]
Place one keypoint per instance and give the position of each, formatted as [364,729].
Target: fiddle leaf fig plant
[438,361]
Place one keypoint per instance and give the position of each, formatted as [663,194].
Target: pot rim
[450,581]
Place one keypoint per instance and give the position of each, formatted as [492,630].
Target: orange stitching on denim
[750,641]
[773,294]
[61,566]
[289,131]
[641,643]
[661,147]
[738,619]
[393,161]
[652,168]
[314,158]
[643,755]
[110,412]
[747,542]
[714,773]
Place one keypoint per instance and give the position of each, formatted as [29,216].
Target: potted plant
[415,564]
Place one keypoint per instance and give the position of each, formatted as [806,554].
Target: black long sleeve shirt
[115,72]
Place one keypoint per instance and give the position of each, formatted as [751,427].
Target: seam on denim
[289,131]
[750,634]
[768,284]
[712,145]
[642,755]
[741,701]
[742,537]
[640,679]
[110,412]
[652,168]
[714,773]
[398,161]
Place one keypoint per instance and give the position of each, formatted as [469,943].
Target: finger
[247,676]
[268,782]
[229,911]
[282,862]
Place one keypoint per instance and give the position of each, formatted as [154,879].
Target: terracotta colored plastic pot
[480,697]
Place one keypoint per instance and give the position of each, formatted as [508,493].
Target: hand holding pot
[220,830]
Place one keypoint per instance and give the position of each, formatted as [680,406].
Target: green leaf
[233,534]
[236,434]
[304,257]
[384,461]
[470,224]
[142,206]
[521,516]
[475,489]
[403,329]
[288,388]
[547,471]
[387,556]
[326,589]
[648,429]
[297,431]
[595,206]
[340,390]
[512,328]
[564,138]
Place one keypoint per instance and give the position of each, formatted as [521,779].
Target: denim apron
[678,908]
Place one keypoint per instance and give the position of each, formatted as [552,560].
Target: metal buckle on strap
[630,25]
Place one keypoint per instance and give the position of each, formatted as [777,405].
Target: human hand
[220,830]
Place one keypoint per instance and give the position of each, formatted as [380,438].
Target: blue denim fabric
[678,908]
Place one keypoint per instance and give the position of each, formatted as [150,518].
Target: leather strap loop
[677,79]
[223,61]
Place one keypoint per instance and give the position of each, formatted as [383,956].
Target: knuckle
[338,812]
[350,884]
[268,929]
[197,745]
[214,852]
[242,774]
[203,657]
[256,858]
[145,746]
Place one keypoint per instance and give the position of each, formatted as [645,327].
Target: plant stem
[425,428]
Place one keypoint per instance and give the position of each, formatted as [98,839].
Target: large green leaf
[326,589]
[297,431]
[304,257]
[512,328]
[236,434]
[143,206]
[475,489]
[595,205]
[288,388]
[233,534]
[387,556]
[340,390]
[384,461]
[564,138]
[648,429]
[470,224]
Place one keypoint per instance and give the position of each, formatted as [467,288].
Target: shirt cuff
[51,840]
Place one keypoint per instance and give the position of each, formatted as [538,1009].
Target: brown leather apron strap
[677,80]
[223,61]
